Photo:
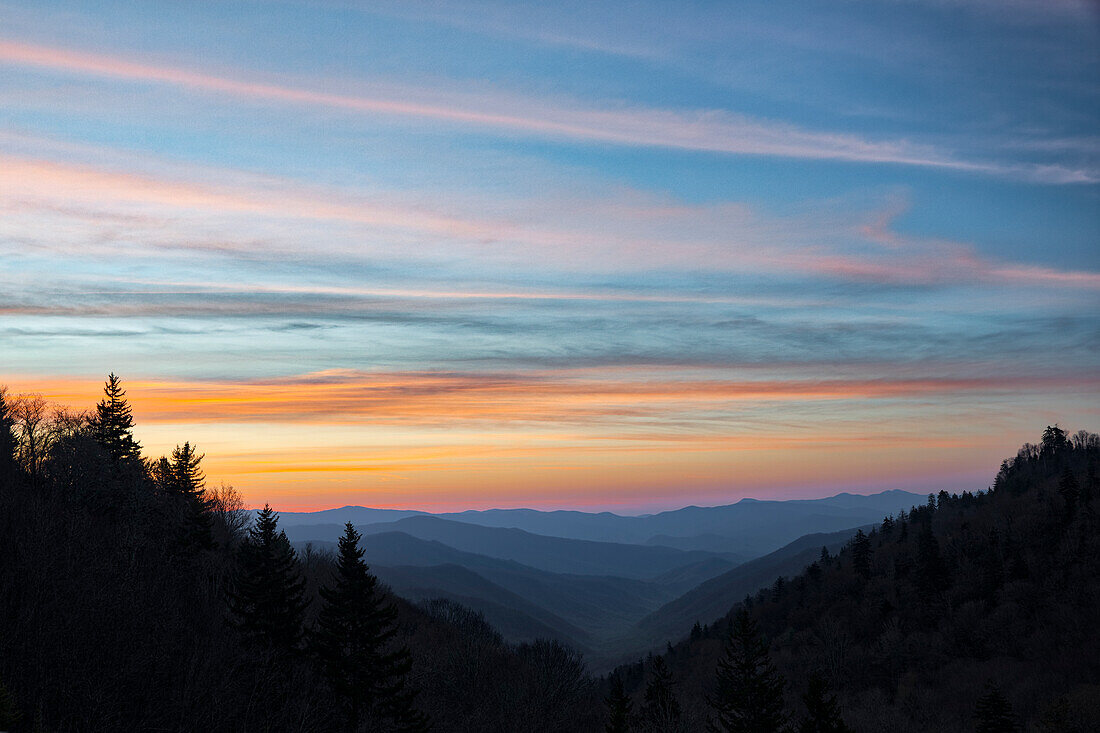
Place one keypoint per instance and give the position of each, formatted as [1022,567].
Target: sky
[626,256]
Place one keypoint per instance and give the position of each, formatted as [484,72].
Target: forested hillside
[974,603]
[136,596]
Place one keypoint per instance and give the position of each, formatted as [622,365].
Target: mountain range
[536,574]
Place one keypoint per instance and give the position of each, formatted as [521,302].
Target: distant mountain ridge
[603,583]
[748,528]
[553,554]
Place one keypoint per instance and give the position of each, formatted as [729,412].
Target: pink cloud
[715,131]
[627,231]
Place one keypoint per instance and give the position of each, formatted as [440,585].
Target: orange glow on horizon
[566,438]
[434,398]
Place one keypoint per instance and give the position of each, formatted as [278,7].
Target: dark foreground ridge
[134,596]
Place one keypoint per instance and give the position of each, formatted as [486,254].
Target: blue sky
[810,237]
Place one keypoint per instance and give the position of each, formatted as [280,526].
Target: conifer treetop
[113,423]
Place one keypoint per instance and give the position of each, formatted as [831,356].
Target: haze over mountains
[607,584]
[750,527]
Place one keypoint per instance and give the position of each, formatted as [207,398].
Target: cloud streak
[634,233]
[712,131]
[535,397]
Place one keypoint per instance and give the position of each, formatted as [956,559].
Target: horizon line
[581,510]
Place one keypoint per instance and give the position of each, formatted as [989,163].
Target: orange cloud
[567,438]
[443,398]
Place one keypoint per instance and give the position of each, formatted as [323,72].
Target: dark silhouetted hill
[713,598]
[911,625]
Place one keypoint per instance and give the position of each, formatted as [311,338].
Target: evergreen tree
[186,480]
[748,696]
[822,711]
[269,600]
[1054,441]
[619,707]
[861,554]
[352,642]
[993,713]
[159,474]
[661,711]
[187,476]
[887,525]
[113,423]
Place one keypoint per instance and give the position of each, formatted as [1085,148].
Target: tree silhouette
[993,713]
[661,711]
[748,695]
[619,707]
[8,443]
[113,423]
[1054,441]
[355,629]
[861,554]
[268,600]
[822,711]
[159,474]
[186,480]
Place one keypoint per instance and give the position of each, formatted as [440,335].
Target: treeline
[135,596]
[976,611]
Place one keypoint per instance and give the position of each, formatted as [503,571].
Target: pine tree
[186,480]
[993,713]
[159,474]
[661,711]
[268,600]
[113,423]
[748,695]
[352,642]
[1054,441]
[887,525]
[822,711]
[861,554]
[619,707]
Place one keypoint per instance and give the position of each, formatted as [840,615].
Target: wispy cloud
[707,130]
[628,232]
[569,396]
